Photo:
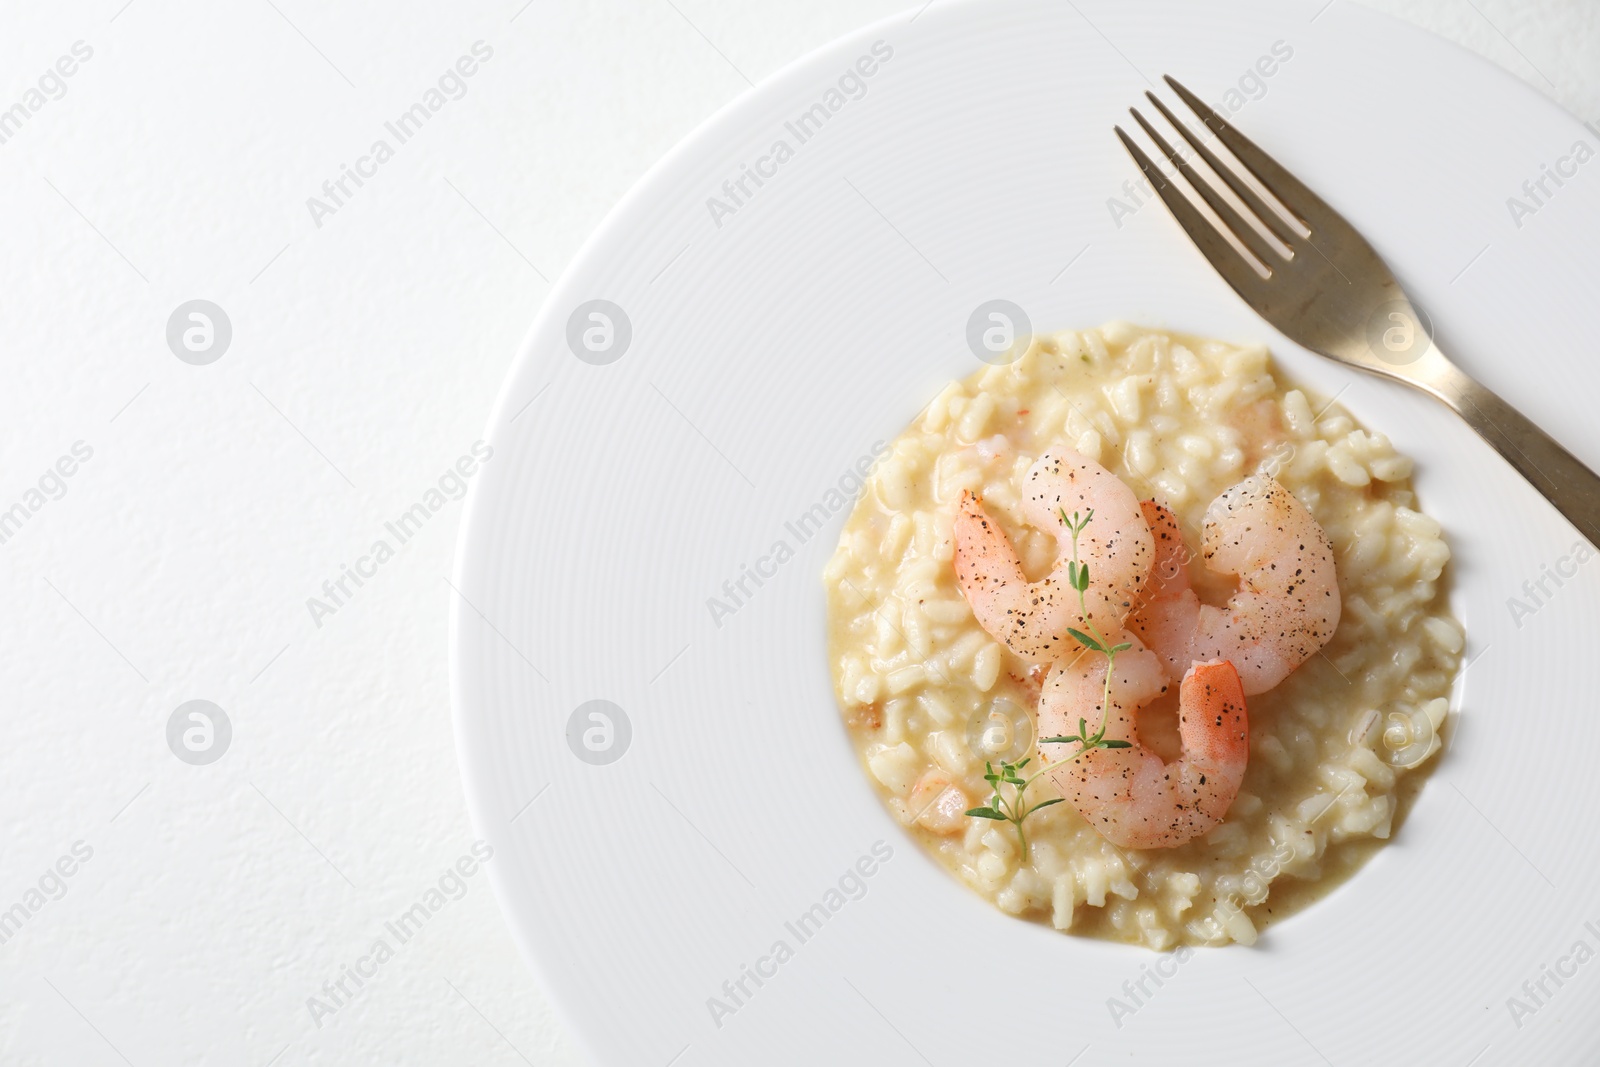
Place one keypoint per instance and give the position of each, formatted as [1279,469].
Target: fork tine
[1305,205]
[1231,218]
[1223,256]
[1266,213]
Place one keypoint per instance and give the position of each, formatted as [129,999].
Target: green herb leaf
[1085,640]
[1014,809]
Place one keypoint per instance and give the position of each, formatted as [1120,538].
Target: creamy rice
[1336,750]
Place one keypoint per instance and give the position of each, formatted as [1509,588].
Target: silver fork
[1329,291]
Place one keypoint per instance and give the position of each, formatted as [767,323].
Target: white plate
[768,354]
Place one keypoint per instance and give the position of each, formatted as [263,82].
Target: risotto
[930,698]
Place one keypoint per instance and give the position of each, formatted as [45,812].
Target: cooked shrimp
[1169,612]
[1130,795]
[1031,618]
[938,804]
[1287,605]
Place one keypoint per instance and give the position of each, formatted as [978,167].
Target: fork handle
[1573,488]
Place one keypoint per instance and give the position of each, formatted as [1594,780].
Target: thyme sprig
[1094,640]
[1012,807]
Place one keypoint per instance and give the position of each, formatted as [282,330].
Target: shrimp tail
[1215,730]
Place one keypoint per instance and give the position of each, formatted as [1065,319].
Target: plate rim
[472,534]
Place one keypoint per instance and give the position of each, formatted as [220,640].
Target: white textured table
[196,512]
